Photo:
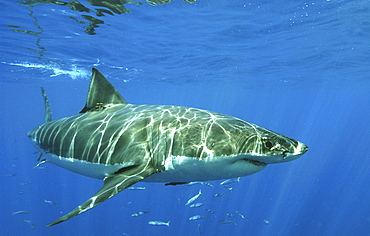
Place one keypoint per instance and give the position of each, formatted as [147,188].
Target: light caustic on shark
[123,144]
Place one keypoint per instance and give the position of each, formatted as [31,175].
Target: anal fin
[112,185]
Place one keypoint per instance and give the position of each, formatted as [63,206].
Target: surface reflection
[110,7]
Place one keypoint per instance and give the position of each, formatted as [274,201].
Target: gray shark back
[121,134]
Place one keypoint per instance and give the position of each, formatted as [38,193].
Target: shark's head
[253,143]
[271,148]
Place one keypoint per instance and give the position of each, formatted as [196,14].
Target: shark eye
[268,144]
[288,142]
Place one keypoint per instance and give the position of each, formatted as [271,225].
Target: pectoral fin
[114,184]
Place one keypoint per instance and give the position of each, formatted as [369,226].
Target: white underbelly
[93,170]
[177,168]
[186,169]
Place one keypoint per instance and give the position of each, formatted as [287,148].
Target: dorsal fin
[47,105]
[101,92]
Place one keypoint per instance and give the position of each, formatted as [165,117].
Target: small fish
[159,223]
[229,214]
[267,222]
[219,194]
[229,188]
[194,198]
[140,213]
[208,184]
[38,164]
[30,223]
[196,205]
[128,203]
[136,188]
[226,221]
[197,217]
[193,183]
[229,181]
[210,211]
[11,175]
[241,215]
[50,202]
[200,232]
[189,183]
[21,212]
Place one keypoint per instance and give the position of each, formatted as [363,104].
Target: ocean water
[300,68]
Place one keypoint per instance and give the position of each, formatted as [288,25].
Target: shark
[123,144]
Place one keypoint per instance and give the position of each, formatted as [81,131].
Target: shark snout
[300,149]
[296,152]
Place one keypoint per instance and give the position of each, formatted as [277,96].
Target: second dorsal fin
[101,93]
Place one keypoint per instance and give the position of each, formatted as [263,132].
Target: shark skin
[123,144]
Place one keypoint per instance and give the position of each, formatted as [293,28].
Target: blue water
[296,67]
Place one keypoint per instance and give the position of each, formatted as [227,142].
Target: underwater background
[300,68]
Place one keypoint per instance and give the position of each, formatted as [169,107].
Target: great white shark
[123,144]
